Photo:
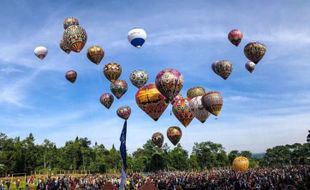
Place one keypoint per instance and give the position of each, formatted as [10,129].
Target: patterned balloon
[254,51]
[119,88]
[107,100]
[158,139]
[213,102]
[64,47]
[151,101]
[250,66]
[70,21]
[124,112]
[241,164]
[222,68]
[174,134]
[235,36]
[182,111]
[198,110]
[169,82]
[112,71]
[176,98]
[195,91]
[95,54]
[75,37]
[71,76]
[138,78]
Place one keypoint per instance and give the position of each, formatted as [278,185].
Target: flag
[123,155]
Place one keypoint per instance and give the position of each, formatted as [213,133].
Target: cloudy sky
[269,107]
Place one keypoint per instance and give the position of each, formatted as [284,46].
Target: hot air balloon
[70,21]
[254,51]
[40,52]
[124,112]
[138,78]
[241,164]
[107,99]
[151,101]
[75,37]
[64,47]
[250,66]
[95,54]
[182,111]
[137,37]
[119,88]
[169,82]
[198,110]
[112,71]
[195,91]
[174,134]
[222,68]
[212,102]
[158,139]
[71,76]
[176,98]
[235,36]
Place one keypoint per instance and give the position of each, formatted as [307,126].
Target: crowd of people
[297,177]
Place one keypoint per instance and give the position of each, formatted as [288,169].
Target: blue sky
[269,107]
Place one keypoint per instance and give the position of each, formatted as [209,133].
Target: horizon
[261,110]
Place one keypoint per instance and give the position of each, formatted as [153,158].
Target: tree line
[24,156]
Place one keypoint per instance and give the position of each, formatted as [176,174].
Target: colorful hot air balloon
[137,37]
[182,111]
[174,134]
[112,71]
[138,78]
[124,112]
[235,36]
[212,102]
[254,51]
[95,54]
[107,99]
[119,88]
[241,164]
[75,37]
[198,110]
[71,76]
[250,66]
[176,98]
[70,21]
[169,82]
[195,91]
[151,101]
[40,52]
[158,139]
[64,47]
[222,68]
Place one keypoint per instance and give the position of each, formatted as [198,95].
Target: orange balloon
[241,164]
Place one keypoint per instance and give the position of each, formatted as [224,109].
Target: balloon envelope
[119,88]
[182,111]
[174,134]
[151,101]
[112,71]
[250,66]
[198,110]
[223,68]
[158,139]
[254,51]
[212,102]
[107,100]
[195,91]
[176,98]
[40,52]
[137,37]
[71,76]
[138,78]
[169,82]
[124,112]
[75,37]
[64,47]
[235,36]
[241,164]
[95,54]
[70,21]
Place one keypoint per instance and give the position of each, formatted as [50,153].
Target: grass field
[21,186]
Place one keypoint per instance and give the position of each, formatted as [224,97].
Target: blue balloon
[137,37]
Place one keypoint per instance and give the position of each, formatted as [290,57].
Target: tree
[178,158]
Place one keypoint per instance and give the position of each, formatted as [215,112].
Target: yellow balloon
[241,164]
